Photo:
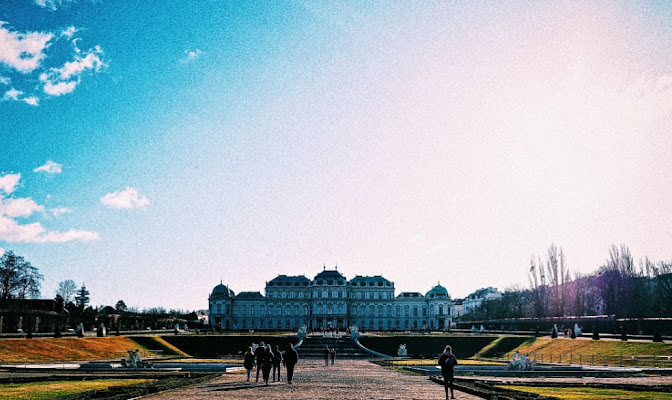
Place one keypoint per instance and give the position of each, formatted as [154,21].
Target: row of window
[355,309]
[329,294]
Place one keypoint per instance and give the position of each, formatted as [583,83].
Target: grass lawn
[64,349]
[581,393]
[56,389]
[584,346]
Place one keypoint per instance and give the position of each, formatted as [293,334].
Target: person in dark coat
[258,355]
[267,362]
[332,355]
[448,361]
[326,356]
[277,360]
[249,362]
[290,360]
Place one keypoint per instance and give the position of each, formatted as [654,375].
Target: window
[441,309]
[415,311]
[407,311]
[219,308]
[424,311]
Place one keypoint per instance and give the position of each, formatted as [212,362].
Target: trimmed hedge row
[210,346]
[428,346]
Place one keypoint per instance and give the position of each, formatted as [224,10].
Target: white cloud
[69,32]
[13,94]
[5,80]
[57,89]
[50,168]
[11,231]
[57,212]
[53,4]
[191,55]
[22,207]
[8,182]
[33,101]
[22,51]
[63,80]
[128,198]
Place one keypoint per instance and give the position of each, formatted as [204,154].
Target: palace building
[329,300]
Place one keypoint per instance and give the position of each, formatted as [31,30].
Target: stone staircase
[313,347]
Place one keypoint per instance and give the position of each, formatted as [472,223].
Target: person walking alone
[326,356]
[448,361]
[277,360]
[332,355]
[249,362]
[290,360]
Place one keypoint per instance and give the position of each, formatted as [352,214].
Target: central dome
[222,291]
[437,291]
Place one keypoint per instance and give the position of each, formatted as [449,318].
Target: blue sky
[151,149]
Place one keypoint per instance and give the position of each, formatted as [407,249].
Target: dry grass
[13,351]
[583,393]
[56,389]
[587,347]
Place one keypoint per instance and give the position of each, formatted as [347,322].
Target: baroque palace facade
[330,301]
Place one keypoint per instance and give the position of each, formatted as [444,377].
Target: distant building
[329,300]
[476,299]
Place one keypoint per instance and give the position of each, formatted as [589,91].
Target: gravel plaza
[349,379]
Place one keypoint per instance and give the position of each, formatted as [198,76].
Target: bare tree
[19,279]
[67,289]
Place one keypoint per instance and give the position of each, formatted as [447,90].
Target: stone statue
[134,360]
[401,352]
[303,332]
[521,363]
[354,332]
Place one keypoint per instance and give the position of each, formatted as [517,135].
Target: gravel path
[348,379]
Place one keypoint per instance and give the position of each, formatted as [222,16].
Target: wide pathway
[348,379]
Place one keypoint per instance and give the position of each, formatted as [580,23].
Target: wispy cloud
[32,100]
[12,94]
[50,168]
[54,5]
[191,55]
[8,182]
[22,207]
[63,80]
[22,51]
[27,53]
[57,212]
[11,230]
[125,199]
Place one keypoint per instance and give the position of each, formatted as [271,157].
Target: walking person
[326,356]
[290,360]
[267,360]
[448,361]
[277,360]
[249,362]
[332,355]
[258,356]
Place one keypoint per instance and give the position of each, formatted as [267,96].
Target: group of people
[265,358]
[329,354]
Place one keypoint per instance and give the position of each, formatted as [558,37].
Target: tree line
[618,287]
[20,280]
